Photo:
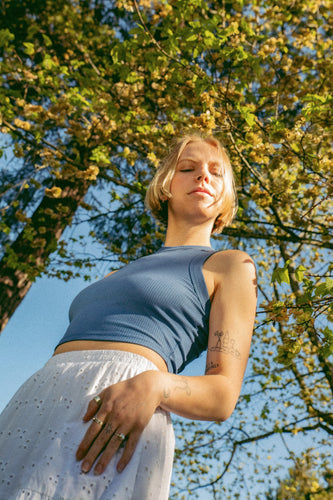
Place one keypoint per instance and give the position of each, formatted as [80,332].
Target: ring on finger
[120,436]
[97,400]
[99,422]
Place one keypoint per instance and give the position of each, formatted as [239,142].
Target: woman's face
[197,184]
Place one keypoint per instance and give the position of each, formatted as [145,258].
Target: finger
[129,449]
[93,406]
[105,445]
[115,443]
[90,436]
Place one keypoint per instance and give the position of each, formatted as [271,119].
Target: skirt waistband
[103,355]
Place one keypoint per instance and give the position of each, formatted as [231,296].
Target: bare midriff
[93,345]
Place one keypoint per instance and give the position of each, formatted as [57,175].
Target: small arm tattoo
[211,366]
[182,385]
[166,393]
[225,344]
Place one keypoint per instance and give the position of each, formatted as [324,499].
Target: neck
[180,236]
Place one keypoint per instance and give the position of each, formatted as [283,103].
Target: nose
[202,175]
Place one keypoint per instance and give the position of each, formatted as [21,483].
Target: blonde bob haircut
[159,188]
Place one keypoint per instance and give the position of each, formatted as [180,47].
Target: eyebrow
[186,159]
[211,164]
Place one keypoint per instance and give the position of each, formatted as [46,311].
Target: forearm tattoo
[226,344]
[182,385]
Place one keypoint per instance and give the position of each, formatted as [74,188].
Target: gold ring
[99,422]
[120,436]
[97,400]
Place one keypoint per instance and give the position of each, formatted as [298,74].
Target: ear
[163,197]
[218,218]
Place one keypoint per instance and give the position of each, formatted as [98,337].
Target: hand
[120,418]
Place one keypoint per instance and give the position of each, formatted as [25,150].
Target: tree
[65,122]
[303,482]
[93,91]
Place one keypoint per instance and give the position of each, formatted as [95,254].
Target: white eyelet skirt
[41,428]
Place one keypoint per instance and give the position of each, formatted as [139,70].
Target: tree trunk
[28,256]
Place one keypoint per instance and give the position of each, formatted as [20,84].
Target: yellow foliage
[28,75]
[33,108]
[54,192]
[153,159]
[20,102]
[91,173]
[22,124]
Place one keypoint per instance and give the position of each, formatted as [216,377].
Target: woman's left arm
[214,395]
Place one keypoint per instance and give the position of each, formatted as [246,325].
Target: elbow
[226,402]
[224,413]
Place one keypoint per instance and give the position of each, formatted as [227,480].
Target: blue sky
[29,338]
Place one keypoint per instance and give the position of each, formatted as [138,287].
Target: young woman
[94,422]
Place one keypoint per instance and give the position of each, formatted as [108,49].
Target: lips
[201,190]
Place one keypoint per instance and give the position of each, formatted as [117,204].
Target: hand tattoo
[225,344]
[108,428]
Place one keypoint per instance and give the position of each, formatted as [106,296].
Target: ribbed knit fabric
[159,301]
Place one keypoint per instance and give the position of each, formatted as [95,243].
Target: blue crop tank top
[159,301]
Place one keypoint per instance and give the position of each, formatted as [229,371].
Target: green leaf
[47,40]
[281,275]
[299,273]
[247,114]
[327,348]
[48,63]
[191,38]
[325,288]
[29,48]
[114,52]
[5,37]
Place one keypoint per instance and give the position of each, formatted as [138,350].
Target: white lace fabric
[41,428]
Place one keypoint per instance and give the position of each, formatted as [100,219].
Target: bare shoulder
[230,262]
[233,268]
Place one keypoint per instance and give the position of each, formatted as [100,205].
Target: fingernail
[98,470]
[85,467]
[120,467]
